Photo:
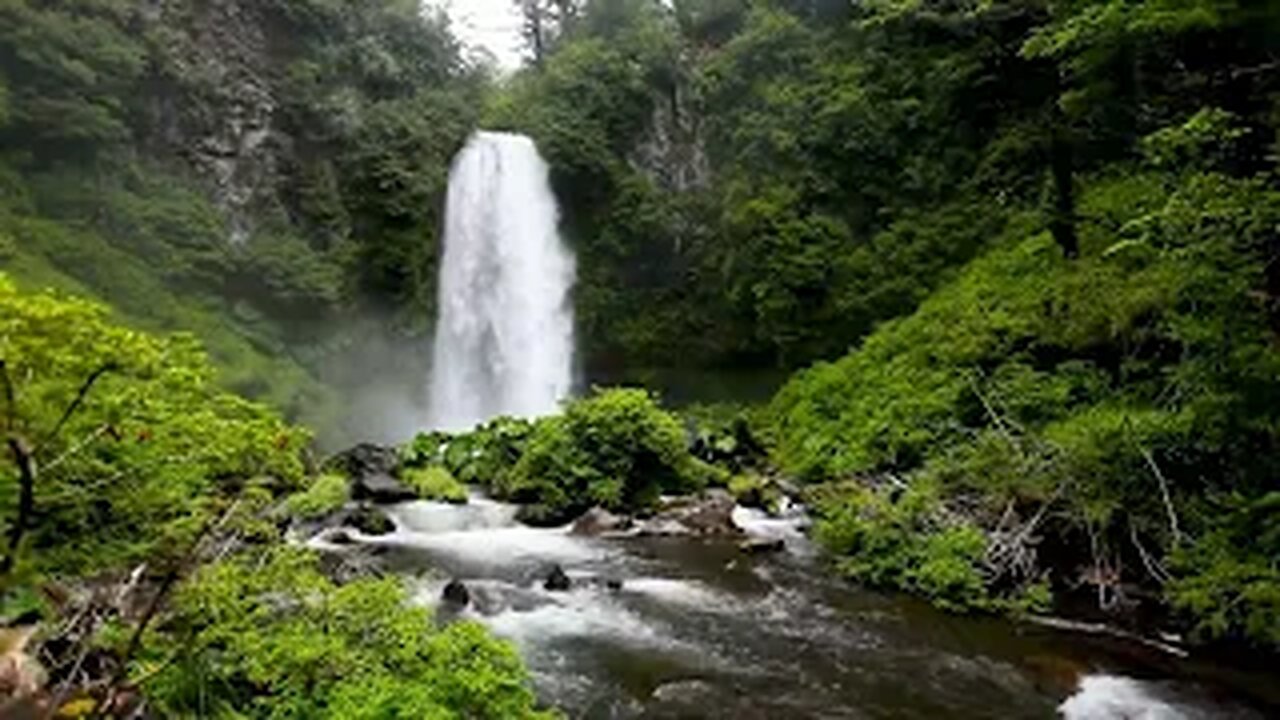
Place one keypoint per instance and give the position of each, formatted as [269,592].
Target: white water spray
[504,338]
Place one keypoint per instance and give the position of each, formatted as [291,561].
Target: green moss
[327,494]
[434,483]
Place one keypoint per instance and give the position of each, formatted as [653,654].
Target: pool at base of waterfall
[684,628]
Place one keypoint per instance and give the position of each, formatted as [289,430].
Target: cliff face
[213,100]
[672,152]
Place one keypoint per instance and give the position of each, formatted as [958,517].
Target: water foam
[504,339]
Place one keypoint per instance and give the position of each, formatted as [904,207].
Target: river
[699,629]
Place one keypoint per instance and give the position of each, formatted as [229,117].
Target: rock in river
[372,469]
[707,515]
[371,521]
[557,580]
[456,594]
[598,521]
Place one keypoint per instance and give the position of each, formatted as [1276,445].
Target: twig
[153,608]
[1153,566]
[1164,494]
[76,403]
[995,417]
[99,432]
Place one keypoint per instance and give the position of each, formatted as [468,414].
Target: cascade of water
[504,336]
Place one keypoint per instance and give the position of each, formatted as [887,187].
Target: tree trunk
[1063,224]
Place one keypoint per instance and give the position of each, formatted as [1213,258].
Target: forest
[1018,261]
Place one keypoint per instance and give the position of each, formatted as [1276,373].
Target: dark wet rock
[341,538]
[456,594]
[557,580]
[354,562]
[542,516]
[706,515]
[762,546]
[372,471]
[598,521]
[371,521]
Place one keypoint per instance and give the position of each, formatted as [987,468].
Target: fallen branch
[1106,630]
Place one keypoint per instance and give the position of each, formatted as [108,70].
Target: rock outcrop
[372,469]
[597,522]
[707,515]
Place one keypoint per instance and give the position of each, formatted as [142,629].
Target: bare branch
[26,462]
[1164,494]
[77,402]
[10,404]
[171,578]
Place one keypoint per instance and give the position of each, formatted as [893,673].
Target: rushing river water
[701,630]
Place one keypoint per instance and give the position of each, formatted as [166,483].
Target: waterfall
[504,335]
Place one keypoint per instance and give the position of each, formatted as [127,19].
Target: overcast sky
[491,24]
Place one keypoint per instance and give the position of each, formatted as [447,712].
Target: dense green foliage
[271,637]
[122,453]
[434,482]
[152,451]
[769,180]
[615,448]
[260,174]
[1047,229]
[1093,386]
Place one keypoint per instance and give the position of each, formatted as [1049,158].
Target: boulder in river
[597,521]
[557,580]
[707,515]
[371,521]
[353,562]
[372,469]
[543,516]
[456,594]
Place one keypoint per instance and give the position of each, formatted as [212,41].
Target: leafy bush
[1227,583]
[270,637]
[151,450]
[753,490]
[615,448]
[485,456]
[326,494]
[434,483]
[1121,390]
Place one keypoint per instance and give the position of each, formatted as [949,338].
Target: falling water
[504,338]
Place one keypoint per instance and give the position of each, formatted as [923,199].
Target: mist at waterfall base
[503,341]
[504,336]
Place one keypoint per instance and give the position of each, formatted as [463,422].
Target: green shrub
[270,637]
[1227,582]
[154,449]
[327,494]
[434,483]
[615,448]
[753,490]
[485,456]
[1125,390]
